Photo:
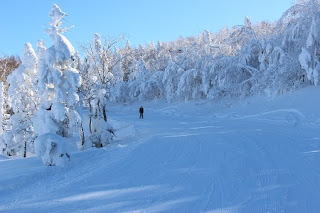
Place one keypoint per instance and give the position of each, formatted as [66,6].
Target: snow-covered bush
[102,133]
[53,149]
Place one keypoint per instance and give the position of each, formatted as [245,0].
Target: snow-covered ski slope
[258,155]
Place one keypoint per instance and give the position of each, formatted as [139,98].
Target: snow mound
[123,130]
[171,112]
[291,116]
[287,116]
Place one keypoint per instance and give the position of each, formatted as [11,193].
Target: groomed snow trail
[258,157]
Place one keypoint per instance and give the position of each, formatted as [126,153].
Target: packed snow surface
[255,155]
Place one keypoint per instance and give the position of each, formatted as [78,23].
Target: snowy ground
[257,156]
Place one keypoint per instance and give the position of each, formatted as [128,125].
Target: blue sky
[141,21]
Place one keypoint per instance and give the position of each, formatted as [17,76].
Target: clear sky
[142,21]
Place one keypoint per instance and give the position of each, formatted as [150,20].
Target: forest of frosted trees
[56,101]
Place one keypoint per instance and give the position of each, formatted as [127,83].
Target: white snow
[2,157]
[257,155]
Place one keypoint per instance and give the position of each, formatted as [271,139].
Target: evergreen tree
[58,84]
[18,134]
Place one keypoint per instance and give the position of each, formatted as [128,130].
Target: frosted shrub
[53,149]
[101,133]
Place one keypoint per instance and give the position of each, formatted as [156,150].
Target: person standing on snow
[141,112]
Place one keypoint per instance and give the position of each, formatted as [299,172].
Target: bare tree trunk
[314,61]
[90,117]
[90,124]
[99,109]
[65,128]
[82,135]
[104,113]
[25,146]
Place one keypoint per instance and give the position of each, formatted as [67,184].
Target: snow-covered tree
[153,87]
[18,134]
[2,146]
[117,70]
[170,80]
[189,85]
[133,70]
[102,62]
[126,62]
[58,83]
[7,65]
[142,72]
[151,57]
[139,86]
[163,55]
[310,54]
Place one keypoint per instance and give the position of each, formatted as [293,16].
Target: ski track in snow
[176,161]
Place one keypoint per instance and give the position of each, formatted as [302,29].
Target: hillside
[256,155]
